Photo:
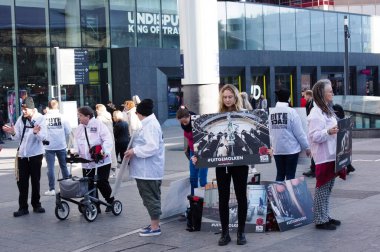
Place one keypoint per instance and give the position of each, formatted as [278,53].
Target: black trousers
[120,148]
[102,183]
[29,168]
[239,175]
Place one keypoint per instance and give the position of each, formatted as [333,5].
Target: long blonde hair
[238,104]
[245,101]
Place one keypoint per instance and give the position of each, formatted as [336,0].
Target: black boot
[224,239]
[350,169]
[241,238]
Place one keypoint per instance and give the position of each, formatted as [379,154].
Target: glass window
[222,24]
[331,32]
[123,25]
[148,23]
[7,92]
[93,23]
[5,23]
[317,31]
[366,23]
[288,29]
[355,26]
[30,23]
[170,20]
[32,74]
[303,30]
[64,23]
[341,32]
[235,26]
[254,27]
[271,27]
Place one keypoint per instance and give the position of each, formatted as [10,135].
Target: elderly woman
[323,128]
[92,132]
[121,133]
[130,117]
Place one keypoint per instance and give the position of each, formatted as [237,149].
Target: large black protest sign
[233,138]
[291,202]
[344,144]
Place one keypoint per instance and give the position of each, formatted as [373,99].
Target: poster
[176,201]
[291,202]
[11,103]
[256,213]
[344,144]
[232,138]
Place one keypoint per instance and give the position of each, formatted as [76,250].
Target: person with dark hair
[147,159]
[322,137]
[196,174]
[30,129]
[339,112]
[287,136]
[93,133]
[58,128]
[309,106]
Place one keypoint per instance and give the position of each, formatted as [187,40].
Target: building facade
[134,49]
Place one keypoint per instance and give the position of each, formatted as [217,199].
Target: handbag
[74,187]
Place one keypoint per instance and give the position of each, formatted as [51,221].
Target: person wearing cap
[287,136]
[30,130]
[129,114]
[147,164]
[58,128]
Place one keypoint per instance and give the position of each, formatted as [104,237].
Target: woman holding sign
[323,128]
[230,101]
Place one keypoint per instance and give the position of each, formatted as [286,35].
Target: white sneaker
[50,193]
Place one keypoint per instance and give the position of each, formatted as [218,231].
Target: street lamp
[346,64]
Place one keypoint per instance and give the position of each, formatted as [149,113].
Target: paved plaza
[356,202]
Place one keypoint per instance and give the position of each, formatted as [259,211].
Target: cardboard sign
[231,139]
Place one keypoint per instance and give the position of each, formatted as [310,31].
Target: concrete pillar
[200,49]
[272,87]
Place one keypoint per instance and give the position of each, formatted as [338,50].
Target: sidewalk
[355,202]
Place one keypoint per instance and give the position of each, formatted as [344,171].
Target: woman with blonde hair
[121,133]
[130,117]
[245,101]
[230,101]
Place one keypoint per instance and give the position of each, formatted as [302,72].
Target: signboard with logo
[344,144]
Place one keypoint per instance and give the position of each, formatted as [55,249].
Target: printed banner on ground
[291,202]
[256,214]
[344,144]
[230,139]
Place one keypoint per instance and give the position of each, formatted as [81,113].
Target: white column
[200,49]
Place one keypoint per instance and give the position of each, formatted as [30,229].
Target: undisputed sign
[145,22]
[230,139]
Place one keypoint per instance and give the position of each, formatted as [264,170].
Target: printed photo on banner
[291,202]
[256,213]
[344,144]
[232,138]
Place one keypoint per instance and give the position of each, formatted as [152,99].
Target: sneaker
[50,193]
[39,210]
[350,169]
[147,228]
[108,209]
[20,212]
[150,232]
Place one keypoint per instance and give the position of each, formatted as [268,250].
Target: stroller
[75,187]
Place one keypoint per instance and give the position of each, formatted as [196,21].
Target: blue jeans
[286,166]
[197,174]
[50,160]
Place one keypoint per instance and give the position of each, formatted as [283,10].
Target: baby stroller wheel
[63,211]
[90,212]
[117,207]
